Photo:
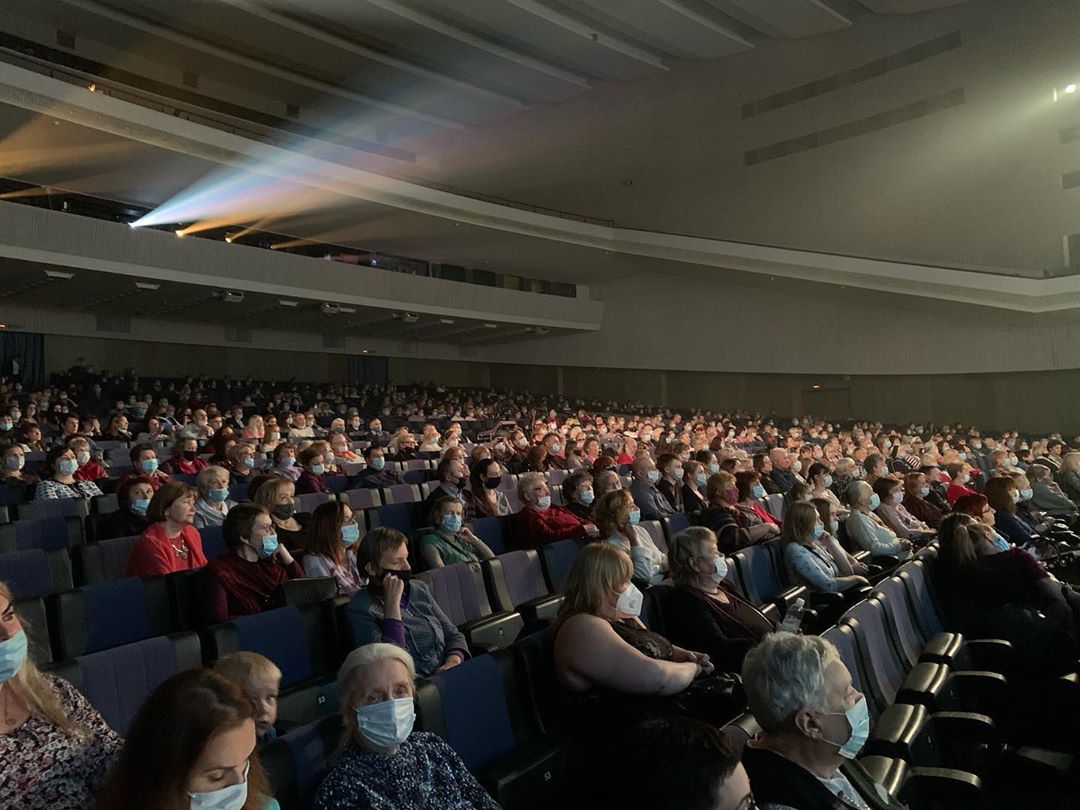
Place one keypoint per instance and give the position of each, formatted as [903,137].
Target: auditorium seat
[108,614]
[336,483]
[758,579]
[775,504]
[673,524]
[459,590]
[515,581]
[310,501]
[396,516]
[47,533]
[358,499]
[401,493]
[213,541]
[239,492]
[104,505]
[556,560]
[32,576]
[297,761]
[117,681]
[52,508]
[104,560]
[493,531]
[656,533]
[301,641]
[535,658]
[477,709]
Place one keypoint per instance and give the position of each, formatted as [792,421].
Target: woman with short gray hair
[814,723]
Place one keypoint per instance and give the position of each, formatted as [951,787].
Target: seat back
[675,523]
[775,504]
[117,681]
[239,492]
[280,634]
[48,533]
[471,711]
[894,600]
[336,483]
[104,504]
[556,559]
[397,516]
[310,501]
[656,533]
[213,541]
[515,578]
[492,531]
[754,566]
[916,582]
[297,761]
[535,657]
[880,664]
[28,575]
[459,591]
[843,638]
[401,493]
[361,498]
[103,561]
[109,614]
[58,507]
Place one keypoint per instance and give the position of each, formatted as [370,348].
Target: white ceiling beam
[356,48]
[270,69]
[473,41]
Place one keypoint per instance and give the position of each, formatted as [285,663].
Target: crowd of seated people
[552,471]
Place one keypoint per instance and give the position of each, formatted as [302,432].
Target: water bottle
[793,617]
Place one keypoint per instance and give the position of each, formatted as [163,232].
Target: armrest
[827,599]
[923,684]
[944,787]
[498,631]
[890,773]
[896,731]
[862,556]
[993,654]
[886,561]
[785,599]
[771,612]
[970,727]
[543,609]
[982,691]
[942,648]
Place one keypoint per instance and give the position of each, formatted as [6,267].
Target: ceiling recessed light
[491,326]
[285,302]
[179,232]
[60,274]
[447,321]
[91,87]
[147,285]
[363,351]
[347,310]
[1070,88]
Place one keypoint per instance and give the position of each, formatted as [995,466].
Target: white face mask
[233,797]
[720,569]
[827,481]
[796,466]
[386,724]
[630,600]
[543,502]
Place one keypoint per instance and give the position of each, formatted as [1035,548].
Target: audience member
[807,560]
[185,458]
[890,492]
[539,523]
[260,679]
[376,475]
[916,492]
[133,495]
[702,612]
[866,531]
[1047,495]
[693,487]
[56,748]
[451,475]
[814,723]
[284,462]
[330,550]
[484,498]
[213,503]
[240,462]
[144,461]
[313,478]
[751,514]
[653,505]
[192,744]
[13,474]
[278,495]
[782,475]
[1003,495]
[451,541]
[170,542]
[88,469]
[670,484]
[578,494]
[383,762]
[1051,459]
[245,579]
[397,608]
[722,515]
[1068,476]
[617,519]
[60,461]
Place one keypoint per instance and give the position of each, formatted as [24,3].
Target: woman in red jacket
[540,523]
[170,543]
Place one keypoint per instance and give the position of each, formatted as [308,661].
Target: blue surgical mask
[350,533]
[653,475]
[543,502]
[318,469]
[287,461]
[328,458]
[817,531]
[12,656]
[140,505]
[1000,543]
[233,797]
[759,491]
[875,501]
[451,522]
[268,546]
[148,465]
[217,495]
[377,463]
[701,478]
[587,496]
[67,466]
[249,462]
[635,516]
[858,717]
[714,468]
[1026,494]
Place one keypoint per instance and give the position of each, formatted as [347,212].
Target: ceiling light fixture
[286,302]
[1070,89]
[91,87]
[180,233]
[229,237]
[64,275]
[147,285]
[491,326]
[447,321]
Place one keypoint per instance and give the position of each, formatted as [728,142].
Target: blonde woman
[255,430]
[56,747]
[278,495]
[617,518]
[806,559]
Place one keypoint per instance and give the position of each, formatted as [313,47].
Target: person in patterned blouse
[383,763]
[62,464]
[54,747]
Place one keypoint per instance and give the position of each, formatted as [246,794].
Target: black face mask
[492,483]
[190,455]
[404,576]
[283,511]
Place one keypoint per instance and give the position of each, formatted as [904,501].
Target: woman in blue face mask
[618,521]
[192,744]
[383,762]
[133,495]
[578,494]
[807,560]
[62,463]
[315,468]
[213,503]
[57,748]
[330,551]
[243,580]
[450,541]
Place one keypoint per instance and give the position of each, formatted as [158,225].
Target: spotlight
[91,87]
[229,238]
[63,275]
[147,285]
[1070,89]
[180,232]
[286,302]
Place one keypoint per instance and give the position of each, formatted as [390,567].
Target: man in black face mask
[452,475]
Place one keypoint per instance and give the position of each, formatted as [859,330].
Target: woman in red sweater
[243,580]
[539,523]
[170,543]
[185,459]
